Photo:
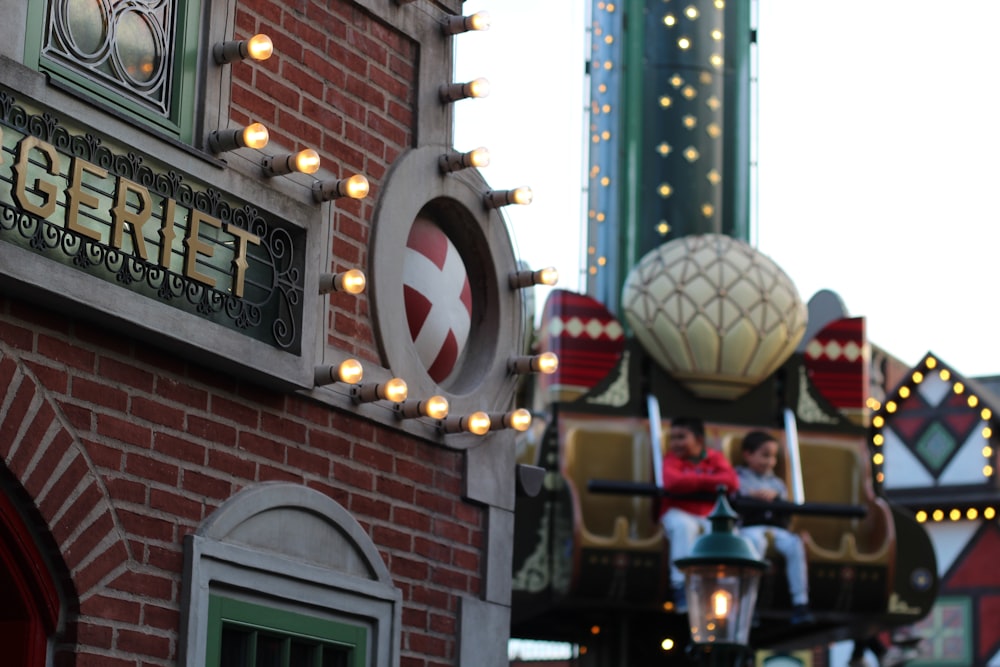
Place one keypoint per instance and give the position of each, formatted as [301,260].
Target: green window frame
[245,634]
[89,61]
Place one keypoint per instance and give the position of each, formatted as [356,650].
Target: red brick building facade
[163,458]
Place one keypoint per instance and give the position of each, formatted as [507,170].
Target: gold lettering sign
[90,204]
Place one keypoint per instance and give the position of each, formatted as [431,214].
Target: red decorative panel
[836,359]
[587,339]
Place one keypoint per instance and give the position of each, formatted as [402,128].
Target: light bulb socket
[521,279]
[455,25]
[435,407]
[453,92]
[277,165]
[455,161]
[393,390]
[220,141]
[354,187]
[477,423]
[498,198]
[352,281]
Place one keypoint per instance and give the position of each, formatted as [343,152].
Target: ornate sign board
[100,226]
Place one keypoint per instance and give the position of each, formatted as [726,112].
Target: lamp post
[721,576]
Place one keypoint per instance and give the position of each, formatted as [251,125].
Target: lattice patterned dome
[714,313]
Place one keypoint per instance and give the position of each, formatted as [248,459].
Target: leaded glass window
[138,55]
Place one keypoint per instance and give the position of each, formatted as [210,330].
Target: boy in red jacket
[689,467]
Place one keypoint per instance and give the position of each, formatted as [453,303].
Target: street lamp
[721,578]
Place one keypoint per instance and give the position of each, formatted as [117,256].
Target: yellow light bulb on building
[891,406]
[395,390]
[479,88]
[520,420]
[938,515]
[307,161]
[921,516]
[352,281]
[989,513]
[436,407]
[478,423]
[904,392]
[684,43]
[670,20]
[878,421]
[356,187]
[958,388]
[972,400]
[944,374]
[931,362]
[954,515]
[255,135]
[350,371]
[548,276]
[547,363]
[972,514]
[985,414]
[691,12]
[259,47]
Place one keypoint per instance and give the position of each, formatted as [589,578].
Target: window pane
[269,651]
[235,650]
[335,657]
[303,654]
[119,44]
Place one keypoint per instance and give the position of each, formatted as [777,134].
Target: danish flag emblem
[437,298]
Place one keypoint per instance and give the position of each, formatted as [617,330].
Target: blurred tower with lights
[669,129]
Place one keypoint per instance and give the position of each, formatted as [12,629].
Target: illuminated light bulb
[954,515]
[987,471]
[878,439]
[520,279]
[667,644]
[352,281]
[958,388]
[972,514]
[684,43]
[986,413]
[931,362]
[918,377]
[305,161]
[691,12]
[663,229]
[989,513]
[477,423]
[254,135]
[455,161]
[690,122]
[258,48]
[435,407]
[353,187]
[664,149]
[666,102]
[716,60]
[670,20]
[987,432]
[944,374]
[717,35]
[521,196]
[472,23]
[987,451]
[938,515]
[878,421]
[393,390]
[877,459]
[904,392]
[721,603]
[665,190]
[348,371]
[880,477]
[972,400]
[595,629]
[519,420]
[921,516]
[890,407]
[545,363]
[459,91]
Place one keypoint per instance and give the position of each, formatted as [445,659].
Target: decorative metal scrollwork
[270,309]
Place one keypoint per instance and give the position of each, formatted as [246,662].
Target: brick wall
[126,449]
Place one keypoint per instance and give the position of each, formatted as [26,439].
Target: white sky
[879,153]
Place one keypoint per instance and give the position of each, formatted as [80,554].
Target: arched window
[282,575]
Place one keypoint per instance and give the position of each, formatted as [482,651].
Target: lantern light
[354,187]
[305,161]
[352,281]
[253,135]
[497,198]
[453,92]
[722,576]
[459,24]
[258,48]
[348,371]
